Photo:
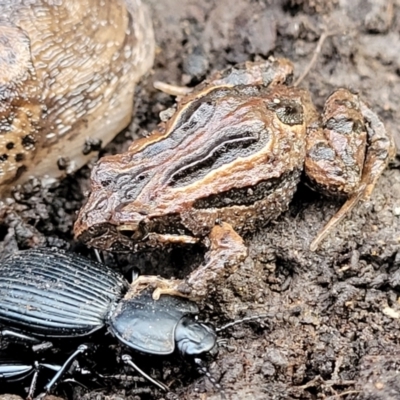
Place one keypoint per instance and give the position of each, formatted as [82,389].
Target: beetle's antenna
[127,359]
[203,370]
[123,378]
[243,320]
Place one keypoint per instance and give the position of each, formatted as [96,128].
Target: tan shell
[67,73]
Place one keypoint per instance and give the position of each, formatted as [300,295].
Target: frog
[227,162]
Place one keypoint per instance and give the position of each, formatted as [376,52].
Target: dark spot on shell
[20,171]
[28,141]
[3,231]
[19,157]
[3,157]
[91,145]
[62,163]
[10,145]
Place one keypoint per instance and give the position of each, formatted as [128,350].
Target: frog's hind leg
[226,250]
[344,210]
[379,150]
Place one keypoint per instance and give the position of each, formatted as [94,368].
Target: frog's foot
[155,239]
[173,287]
[226,251]
[379,149]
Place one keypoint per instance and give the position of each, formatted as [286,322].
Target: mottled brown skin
[67,73]
[232,153]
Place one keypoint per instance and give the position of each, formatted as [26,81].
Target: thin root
[314,58]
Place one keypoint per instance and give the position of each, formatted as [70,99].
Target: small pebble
[396,211]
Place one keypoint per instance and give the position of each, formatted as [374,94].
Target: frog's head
[130,205]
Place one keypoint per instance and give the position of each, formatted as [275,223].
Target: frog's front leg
[347,154]
[226,250]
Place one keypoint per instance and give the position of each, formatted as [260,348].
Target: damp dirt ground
[333,326]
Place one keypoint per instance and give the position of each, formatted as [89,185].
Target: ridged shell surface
[45,292]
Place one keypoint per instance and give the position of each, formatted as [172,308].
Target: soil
[332,330]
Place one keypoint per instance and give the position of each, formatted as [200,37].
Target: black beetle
[47,293]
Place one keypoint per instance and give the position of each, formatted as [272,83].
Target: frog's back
[233,153]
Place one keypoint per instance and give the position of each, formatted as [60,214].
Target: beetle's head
[195,338]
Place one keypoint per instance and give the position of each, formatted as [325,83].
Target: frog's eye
[288,111]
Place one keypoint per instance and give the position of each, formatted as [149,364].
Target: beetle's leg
[347,155]
[42,346]
[81,349]
[204,370]
[226,250]
[127,359]
[18,335]
[32,386]
[98,256]
[73,369]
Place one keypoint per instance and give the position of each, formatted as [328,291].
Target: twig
[314,58]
